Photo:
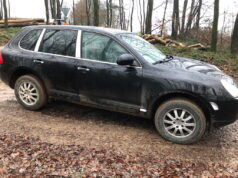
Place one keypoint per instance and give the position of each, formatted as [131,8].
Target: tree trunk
[165,10]
[1,10]
[9,10]
[143,14]
[175,20]
[121,14]
[149,13]
[5,14]
[53,9]
[234,40]
[96,12]
[132,12]
[197,25]
[47,11]
[140,17]
[108,12]
[190,17]
[184,16]
[88,9]
[74,13]
[58,9]
[215,26]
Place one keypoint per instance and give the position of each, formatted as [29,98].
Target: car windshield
[150,53]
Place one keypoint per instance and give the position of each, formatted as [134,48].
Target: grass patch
[7,34]
[223,59]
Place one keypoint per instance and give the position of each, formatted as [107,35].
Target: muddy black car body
[115,70]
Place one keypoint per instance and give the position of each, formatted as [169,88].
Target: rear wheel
[30,92]
[180,121]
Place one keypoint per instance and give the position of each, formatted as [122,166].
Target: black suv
[119,71]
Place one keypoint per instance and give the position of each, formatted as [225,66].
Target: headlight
[231,87]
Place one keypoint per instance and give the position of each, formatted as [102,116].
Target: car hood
[192,65]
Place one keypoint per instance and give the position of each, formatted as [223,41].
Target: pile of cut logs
[157,39]
[22,22]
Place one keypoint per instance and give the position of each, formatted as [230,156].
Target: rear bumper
[227,113]
[3,76]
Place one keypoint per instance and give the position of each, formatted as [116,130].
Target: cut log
[199,45]
[178,44]
[158,39]
[23,21]
[19,24]
[153,41]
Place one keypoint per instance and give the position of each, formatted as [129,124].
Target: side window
[61,42]
[100,47]
[29,41]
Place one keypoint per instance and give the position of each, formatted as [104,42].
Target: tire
[30,92]
[180,114]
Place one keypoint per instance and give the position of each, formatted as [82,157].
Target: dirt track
[64,123]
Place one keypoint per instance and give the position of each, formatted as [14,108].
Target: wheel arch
[25,71]
[201,102]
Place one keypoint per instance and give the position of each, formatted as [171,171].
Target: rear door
[56,57]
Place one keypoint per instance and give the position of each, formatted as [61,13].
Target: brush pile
[157,39]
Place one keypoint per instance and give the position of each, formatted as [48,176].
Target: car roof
[90,28]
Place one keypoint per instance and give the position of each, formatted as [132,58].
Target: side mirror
[125,60]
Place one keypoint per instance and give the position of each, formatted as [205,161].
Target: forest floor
[76,141]
[71,140]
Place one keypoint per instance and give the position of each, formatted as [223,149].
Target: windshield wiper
[167,59]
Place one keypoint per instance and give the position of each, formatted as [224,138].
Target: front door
[101,80]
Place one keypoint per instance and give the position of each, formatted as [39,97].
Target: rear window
[30,40]
[61,42]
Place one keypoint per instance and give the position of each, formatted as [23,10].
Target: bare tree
[191,16]
[53,8]
[197,24]
[9,9]
[132,12]
[141,15]
[175,20]
[47,11]
[1,10]
[5,14]
[223,29]
[74,13]
[149,13]
[215,26]
[96,12]
[59,5]
[163,21]
[184,16]
[234,40]
[88,10]
[122,18]
[109,12]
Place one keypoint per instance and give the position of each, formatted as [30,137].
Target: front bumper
[227,113]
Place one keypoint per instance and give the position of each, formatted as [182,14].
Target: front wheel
[30,92]
[180,121]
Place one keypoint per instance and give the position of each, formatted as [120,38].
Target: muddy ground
[62,123]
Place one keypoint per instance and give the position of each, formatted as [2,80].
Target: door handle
[38,61]
[83,68]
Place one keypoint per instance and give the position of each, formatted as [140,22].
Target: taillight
[1,58]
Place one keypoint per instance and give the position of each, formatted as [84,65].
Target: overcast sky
[36,9]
